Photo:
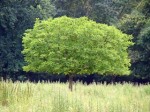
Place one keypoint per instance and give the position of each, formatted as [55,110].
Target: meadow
[56,97]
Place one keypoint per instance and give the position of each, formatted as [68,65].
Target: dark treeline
[130,16]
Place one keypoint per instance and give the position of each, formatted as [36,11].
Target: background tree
[74,46]
[15,17]
[141,67]
[137,23]
[104,11]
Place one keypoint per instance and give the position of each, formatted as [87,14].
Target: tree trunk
[113,79]
[71,82]
[4,76]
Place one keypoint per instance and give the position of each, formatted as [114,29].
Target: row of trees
[130,16]
[137,23]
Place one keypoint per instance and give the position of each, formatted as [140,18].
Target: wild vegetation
[72,51]
[55,97]
[72,46]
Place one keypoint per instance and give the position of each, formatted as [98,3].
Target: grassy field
[55,97]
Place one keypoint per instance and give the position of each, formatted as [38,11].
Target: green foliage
[75,46]
[142,66]
[132,23]
[15,17]
[143,7]
[137,23]
[110,11]
[74,8]
[104,11]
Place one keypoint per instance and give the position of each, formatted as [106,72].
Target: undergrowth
[55,97]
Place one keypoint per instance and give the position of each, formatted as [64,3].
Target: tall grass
[55,97]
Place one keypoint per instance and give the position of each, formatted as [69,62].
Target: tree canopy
[76,46]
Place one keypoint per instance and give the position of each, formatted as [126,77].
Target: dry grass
[55,97]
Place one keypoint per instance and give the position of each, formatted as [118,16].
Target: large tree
[73,46]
